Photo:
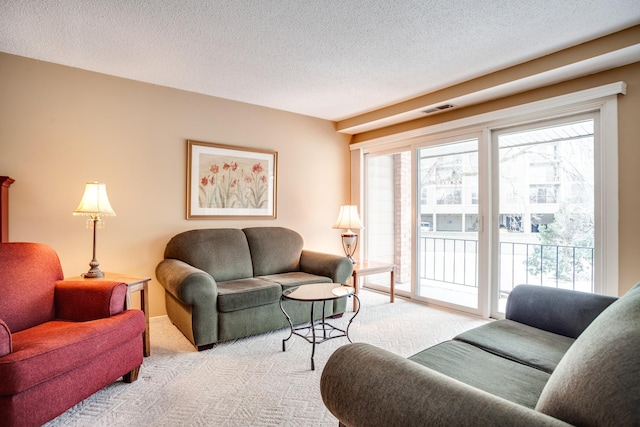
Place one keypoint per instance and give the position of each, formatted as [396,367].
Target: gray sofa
[559,358]
[226,283]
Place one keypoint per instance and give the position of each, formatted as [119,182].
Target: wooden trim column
[5,182]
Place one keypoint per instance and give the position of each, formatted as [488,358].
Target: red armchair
[60,341]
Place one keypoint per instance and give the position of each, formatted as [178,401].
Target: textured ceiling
[331,59]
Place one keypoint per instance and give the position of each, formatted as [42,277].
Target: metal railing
[568,267]
[449,260]
[455,261]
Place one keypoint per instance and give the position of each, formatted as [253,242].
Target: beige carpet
[250,381]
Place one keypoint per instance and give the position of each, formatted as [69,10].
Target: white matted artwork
[228,181]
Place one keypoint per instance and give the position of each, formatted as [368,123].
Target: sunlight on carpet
[251,381]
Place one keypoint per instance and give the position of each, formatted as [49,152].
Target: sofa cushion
[53,348]
[221,252]
[297,278]
[247,293]
[596,383]
[522,343]
[478,368]
[274,249]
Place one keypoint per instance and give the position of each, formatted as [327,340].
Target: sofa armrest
[338,268]
[186,282]
[363,385]
[5,339]
[82,301]
[560,311]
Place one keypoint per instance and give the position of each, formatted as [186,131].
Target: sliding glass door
[545,211]
[447,236]
[540,198]
[467,218]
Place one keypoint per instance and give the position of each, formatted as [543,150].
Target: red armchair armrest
[82,301]
[5,339]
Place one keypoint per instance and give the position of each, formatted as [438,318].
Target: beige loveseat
[226,283]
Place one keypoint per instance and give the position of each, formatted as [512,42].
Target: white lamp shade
[348,218]
[95,201]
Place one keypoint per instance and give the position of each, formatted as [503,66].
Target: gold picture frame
[225,181]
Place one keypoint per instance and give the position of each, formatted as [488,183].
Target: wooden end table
[134,284]
[364,268]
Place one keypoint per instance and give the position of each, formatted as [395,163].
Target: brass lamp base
[93,274]
[94,271]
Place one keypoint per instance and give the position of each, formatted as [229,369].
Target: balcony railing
[449,260]
[455,261]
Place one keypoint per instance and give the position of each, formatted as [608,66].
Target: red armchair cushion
[82,301]
[29,272]
[46,351]
[5,339]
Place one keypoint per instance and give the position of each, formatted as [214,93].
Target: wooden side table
[363,268]
[5,183]
[134,284]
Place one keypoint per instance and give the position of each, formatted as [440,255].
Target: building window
[449,196]
[543,194]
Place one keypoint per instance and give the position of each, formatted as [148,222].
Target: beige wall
[61,127]
[628,150]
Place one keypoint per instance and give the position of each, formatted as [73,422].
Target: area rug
[251,381]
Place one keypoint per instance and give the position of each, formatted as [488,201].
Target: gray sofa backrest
[597,381]
[221,252]
[566,312]
[274,250]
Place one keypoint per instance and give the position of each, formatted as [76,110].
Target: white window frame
[602,99]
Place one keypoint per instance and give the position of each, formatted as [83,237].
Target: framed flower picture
[225,181]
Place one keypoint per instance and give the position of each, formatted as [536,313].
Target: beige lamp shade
[95,201]
[348,218]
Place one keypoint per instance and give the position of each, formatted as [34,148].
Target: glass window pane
[448,235]
[388,218]
[546,207]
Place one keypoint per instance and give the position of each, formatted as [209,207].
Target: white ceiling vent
[438,108]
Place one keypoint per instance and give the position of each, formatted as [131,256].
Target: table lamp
[94,204]
[348,219]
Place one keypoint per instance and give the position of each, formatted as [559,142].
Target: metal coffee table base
[317,331]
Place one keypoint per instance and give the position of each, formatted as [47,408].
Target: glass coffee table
[318,329]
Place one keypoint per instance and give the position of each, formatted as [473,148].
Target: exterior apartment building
[539,173]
